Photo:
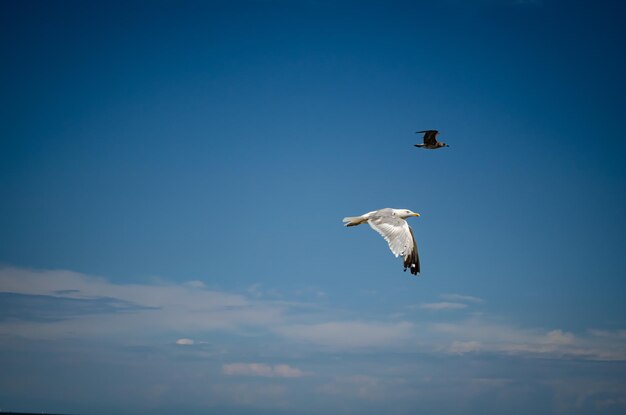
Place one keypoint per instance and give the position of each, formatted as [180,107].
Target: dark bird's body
[430,140]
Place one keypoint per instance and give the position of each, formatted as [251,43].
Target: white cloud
[160,306]
[286,371]
[483,335]
[559,337]
[350,334]
[461,298]
[617,334]
[442,306]
[195,284]
[130,312]
[459,347]
[261,369]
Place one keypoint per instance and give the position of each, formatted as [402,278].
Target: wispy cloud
[261,369]
[350,334]
[365,387]
[559,337]
[483,335]
[461,347]
[616,334]
[442,306]
[96,307]
[64,304]
[452,302]
[60,306]
[228,348]
[461,298]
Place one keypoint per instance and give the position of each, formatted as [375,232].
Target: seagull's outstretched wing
[399,236]
[430,136]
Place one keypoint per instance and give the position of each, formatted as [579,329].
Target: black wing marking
[412,259]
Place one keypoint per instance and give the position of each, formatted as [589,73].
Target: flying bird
[391,225]
[430,140]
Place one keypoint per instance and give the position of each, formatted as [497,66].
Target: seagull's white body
[391,225]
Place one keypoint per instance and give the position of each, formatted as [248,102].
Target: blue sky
[174,175]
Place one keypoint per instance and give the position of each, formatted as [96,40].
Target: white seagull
[390,224]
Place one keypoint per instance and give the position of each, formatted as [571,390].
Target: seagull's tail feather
[354,220]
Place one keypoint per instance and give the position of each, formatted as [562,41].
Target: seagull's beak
[415,214]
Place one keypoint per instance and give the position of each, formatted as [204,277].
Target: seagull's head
[443,144]
[406,213]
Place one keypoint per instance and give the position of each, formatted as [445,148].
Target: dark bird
[430,140]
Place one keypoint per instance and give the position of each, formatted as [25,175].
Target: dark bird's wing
[430,136]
